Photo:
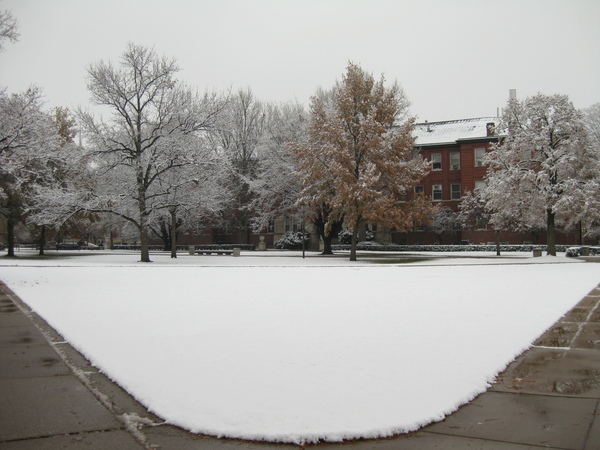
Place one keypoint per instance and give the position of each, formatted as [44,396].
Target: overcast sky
[454,58]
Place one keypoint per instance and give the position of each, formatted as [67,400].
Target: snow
[448,132]
[270,346]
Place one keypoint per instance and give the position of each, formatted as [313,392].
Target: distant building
[456,149]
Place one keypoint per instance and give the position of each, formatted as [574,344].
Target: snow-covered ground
[272,346]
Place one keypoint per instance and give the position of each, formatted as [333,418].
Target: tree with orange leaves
[359,160]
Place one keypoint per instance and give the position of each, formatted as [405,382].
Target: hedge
[372,246]
[576,251]
[158,248]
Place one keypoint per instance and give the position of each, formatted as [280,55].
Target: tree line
[161,157]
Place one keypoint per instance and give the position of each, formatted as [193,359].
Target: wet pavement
[51,397]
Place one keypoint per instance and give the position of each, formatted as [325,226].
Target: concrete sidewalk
[51,397]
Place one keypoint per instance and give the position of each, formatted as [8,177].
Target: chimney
[512,94]
[490,129]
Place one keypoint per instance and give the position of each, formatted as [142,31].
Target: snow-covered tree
[591,221]
[475,213]
[443,220]
[146,137]
[9,29]
[240,134]
[66,125]
[40,215]
[360,159]
[276,186]
[543,170]
[591,116]
[193,193]
[472,214]
[29,154]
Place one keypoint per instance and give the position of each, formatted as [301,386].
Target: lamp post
[303,209]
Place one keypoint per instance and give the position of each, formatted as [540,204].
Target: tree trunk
[144,250]
[327,250]
[354,241]
[497,242]
[142,190]
[144,241]
[244,230]
[144,225]
[164,233]
[320,222]
[362,232]
[551,238]
[42,240]
[173,234]
[10,236]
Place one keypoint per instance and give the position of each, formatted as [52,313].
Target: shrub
[291,240]
[449,248]
[345,236]
[574,252]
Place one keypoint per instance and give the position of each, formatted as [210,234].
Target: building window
[479,185]
[479,155]
[455,191]
[455,160]
[292,224]
[436,192]
[436,160]
[419,190]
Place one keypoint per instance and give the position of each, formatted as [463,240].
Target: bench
[214,252]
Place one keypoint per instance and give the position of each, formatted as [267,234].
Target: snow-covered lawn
[272,346]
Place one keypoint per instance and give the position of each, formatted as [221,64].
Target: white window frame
[479,155]
[453,192]
[436,160]
[434,191]
[454,165]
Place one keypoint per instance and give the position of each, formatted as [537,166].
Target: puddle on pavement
[49,362]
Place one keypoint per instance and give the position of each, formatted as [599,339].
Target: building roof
[451,131]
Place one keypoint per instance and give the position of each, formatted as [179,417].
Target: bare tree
[193,193]
[9,29]
[147,137]
[240,136]
[276,186]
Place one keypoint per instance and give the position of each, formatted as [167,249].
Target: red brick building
[456,149]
